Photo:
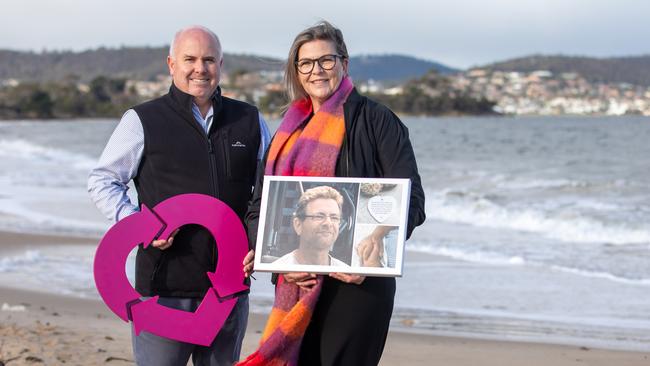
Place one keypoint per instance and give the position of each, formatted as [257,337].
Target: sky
[457,33]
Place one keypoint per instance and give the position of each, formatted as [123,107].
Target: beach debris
[112,358]
[7,307]
[4,362]
[33,359]
[408,322]
[109,338]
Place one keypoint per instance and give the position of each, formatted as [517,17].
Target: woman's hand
[348,278]
[248,264]
[304,280]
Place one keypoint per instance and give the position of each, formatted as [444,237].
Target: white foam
[474,256]
[491,258]
[603,275]
[474,209]
[30,257]
[7,307]
[30,151]
[65,269]
[33,221]
[517,183]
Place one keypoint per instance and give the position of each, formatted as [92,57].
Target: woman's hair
[323,31]
[325,192]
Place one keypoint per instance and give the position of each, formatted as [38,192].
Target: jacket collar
[185,100]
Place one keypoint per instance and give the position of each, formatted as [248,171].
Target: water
[538,228]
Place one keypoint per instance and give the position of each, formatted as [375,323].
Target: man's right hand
[304,280]
[164,244]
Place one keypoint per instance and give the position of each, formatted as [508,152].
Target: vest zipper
[215,187]
[212,167]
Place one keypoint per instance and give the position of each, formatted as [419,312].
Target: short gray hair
[206,30]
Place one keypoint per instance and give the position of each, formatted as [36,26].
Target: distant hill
[145,63]
[142,63]
[393,67]
[633,69]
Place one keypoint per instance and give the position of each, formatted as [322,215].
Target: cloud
[460,33]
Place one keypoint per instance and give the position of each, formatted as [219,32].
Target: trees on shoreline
[103,97]
[106,97]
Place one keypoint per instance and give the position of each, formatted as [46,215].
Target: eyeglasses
[320,218]
[326,62]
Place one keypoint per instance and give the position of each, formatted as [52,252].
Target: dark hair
[323,31]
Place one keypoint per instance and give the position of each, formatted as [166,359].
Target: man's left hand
[248,264]
[164,244]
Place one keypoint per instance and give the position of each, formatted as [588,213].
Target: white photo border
[402,206]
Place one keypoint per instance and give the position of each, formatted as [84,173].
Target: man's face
[196,65]
[318,229]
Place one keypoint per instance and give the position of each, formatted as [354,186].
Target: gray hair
[323,31]
[206,30]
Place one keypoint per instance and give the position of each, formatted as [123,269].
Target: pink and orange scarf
[300,149]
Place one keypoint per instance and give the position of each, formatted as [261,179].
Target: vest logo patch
[238,144]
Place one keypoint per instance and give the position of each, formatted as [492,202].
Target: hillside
[633,69]
[393,67]
[145,63]
[141,63]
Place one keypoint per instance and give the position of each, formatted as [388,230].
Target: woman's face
[320,84]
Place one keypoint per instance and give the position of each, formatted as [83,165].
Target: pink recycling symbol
[201,326]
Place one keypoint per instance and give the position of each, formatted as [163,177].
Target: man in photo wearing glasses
[316,223]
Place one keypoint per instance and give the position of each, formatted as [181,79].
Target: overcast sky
[459,33]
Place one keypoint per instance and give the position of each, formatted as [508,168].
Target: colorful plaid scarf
[313,150]
[287,323]
[298,151]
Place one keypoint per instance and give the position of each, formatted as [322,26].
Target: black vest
[179,157]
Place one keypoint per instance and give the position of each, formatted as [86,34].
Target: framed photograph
[325,225]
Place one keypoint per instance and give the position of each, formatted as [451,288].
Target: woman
[331,130]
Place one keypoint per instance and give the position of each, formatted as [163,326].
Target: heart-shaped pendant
[381,207]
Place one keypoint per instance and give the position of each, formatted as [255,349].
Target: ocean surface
[537,228]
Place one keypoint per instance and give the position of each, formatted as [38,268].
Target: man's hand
[304,280]
[348,278]
[248,264]
[164,244]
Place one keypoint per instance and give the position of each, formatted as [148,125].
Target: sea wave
[569,226]
[31,151]
[483,257]
[22,219]
[492,258]
[30,257]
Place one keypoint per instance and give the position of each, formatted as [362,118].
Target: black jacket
[376,145]
[179,157]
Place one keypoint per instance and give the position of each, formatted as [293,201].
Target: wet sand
[50,329]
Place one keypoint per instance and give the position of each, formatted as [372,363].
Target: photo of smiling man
[316,223]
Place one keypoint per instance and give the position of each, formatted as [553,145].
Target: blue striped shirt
[118,164]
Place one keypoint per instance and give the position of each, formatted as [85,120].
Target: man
[316,222]
[191,140]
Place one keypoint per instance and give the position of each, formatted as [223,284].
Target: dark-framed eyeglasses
[326,62]
[320,218]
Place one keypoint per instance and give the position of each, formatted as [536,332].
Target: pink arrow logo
[143,227]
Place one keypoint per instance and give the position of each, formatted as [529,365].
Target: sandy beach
[50,329]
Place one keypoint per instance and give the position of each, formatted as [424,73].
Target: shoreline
[57,329]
